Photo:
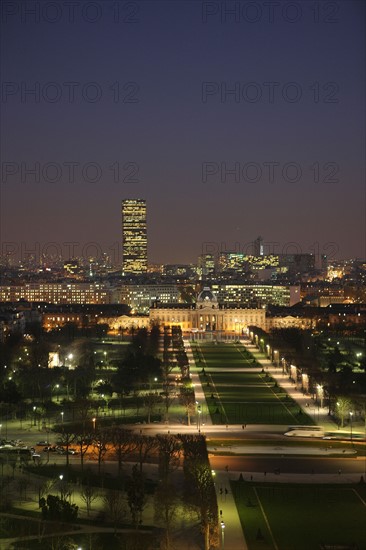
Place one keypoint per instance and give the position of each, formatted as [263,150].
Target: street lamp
[320,392]
[198,417]
[61,477]
[222,535]
[34,415]
[94,419]
[350,416]
[62,417]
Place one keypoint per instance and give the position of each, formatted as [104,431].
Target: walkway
[232,537]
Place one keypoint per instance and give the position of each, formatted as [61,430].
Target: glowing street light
[320,392]
[61,477]
[222,535]
[198,417]
[94,420]
[62,417]
[350,417]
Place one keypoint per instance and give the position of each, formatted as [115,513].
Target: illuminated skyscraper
[134,235]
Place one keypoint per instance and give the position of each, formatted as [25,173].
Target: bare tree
[166,503]
[123,444]
[169,454]
[151,399]
[186,399]
[115,506]
[136,495]
[144,445]
[66,438]
[88,495]
[343,408]
[101,439]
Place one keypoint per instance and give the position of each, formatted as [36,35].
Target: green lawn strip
[244,397]
[334,446]
[301,517]
[102,541]
[256,532]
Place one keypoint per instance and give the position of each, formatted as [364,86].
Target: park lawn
[301,517]
[236,397]
[100,540]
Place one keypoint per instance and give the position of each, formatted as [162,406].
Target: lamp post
[94,419]
[222,535]
[198,417]
[61,477]
[320,394]
[34,415]
[350,417]
[62,417]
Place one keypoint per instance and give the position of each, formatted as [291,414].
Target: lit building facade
[58,293]
[254,295]
[208,314]
[134,236]
[140,297]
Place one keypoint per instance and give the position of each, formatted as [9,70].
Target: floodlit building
[57,293]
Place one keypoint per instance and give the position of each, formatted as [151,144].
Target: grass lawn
[301,517]
[237,393]
[102,541]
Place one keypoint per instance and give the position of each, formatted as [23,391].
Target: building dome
[206,297]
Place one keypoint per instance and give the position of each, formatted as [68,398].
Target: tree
[169,454]
[144,445]
[136,495]
[187,399]
[84,439]
[100,440]
[344,406]
[123,444]
[166,503]
[151,399]
[67,438]
[115,505]
[88,495]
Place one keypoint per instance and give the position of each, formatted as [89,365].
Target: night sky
[149,97]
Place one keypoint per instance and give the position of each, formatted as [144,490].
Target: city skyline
[259,132]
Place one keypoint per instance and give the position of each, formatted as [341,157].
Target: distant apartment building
[292,263]
[206,265]
[140,297]
[57,293]
[257,295]
[134,237]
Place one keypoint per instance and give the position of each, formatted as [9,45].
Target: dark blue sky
[173,134]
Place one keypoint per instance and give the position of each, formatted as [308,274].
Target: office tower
[134,235]
[258,247]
